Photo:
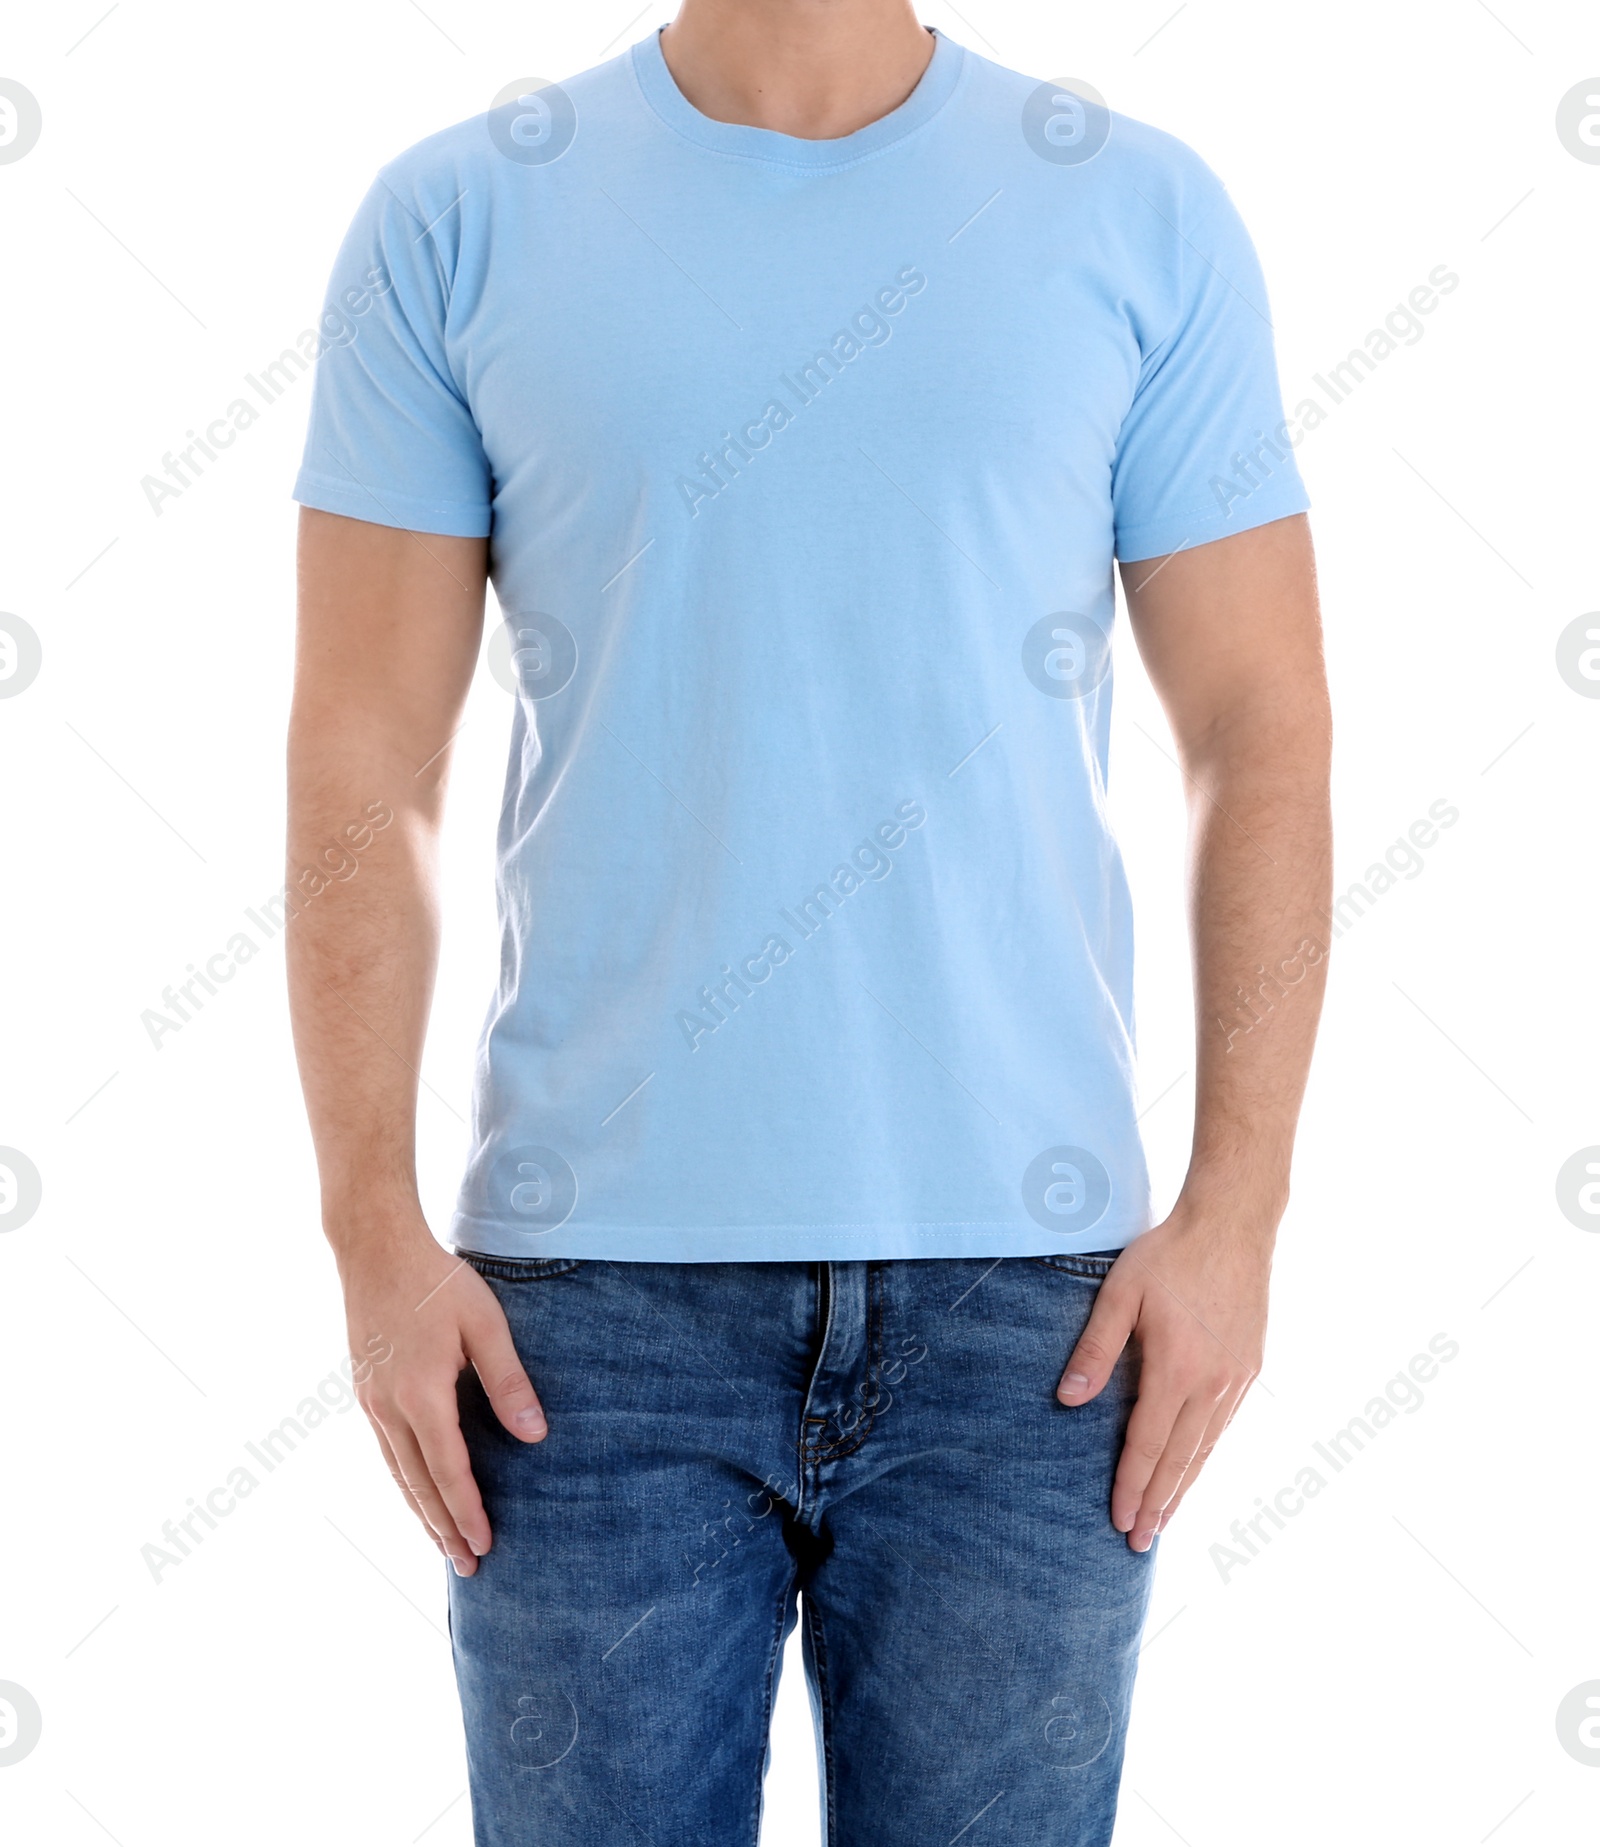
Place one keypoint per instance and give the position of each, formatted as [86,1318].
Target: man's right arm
[389,628]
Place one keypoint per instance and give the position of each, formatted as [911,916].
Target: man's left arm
[1231,637]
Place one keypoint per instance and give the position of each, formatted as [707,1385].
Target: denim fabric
[876,1444]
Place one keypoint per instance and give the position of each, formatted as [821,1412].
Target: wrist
[375,1227]
[1212,1207]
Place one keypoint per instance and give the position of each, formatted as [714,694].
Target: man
[798,376]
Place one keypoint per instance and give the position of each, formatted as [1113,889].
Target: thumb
[1116,1309]
[508,1388]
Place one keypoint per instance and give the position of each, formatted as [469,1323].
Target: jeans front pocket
[519,1269]
[1089,1266]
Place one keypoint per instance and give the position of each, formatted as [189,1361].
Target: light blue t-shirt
[804,465]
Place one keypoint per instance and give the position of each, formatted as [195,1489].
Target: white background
[1389,1668]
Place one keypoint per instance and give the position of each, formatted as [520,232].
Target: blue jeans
[876,1444]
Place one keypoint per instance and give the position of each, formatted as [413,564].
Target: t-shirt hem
[1273,500]
[451,519]
[783,1243]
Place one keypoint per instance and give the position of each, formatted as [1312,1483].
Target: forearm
[1260,873]
[388,635]
[361,957]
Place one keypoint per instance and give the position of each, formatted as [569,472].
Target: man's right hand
[433,1316]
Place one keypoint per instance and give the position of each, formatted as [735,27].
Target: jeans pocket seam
[520,1269]
[1086,1269]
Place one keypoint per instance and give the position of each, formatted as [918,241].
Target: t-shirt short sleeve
[391,437]
[1203,451]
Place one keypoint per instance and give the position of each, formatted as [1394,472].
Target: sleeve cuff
[1276,498]
[355,500]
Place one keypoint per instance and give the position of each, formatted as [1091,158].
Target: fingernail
[1123,1523]
[531,1422]
[460,1567]
[1076,1381]
[477,1549]
[1142,1541]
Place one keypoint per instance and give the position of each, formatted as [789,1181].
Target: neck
[815,69]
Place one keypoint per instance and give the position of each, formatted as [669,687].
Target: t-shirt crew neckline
[661,91]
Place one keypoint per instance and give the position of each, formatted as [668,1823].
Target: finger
[444,1450]
[1182,1443]
[419,1481]
[1149,1431]
[400,1482]
[1201,1456]
[508,1388]
[1111,1321]
[1221,1418]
